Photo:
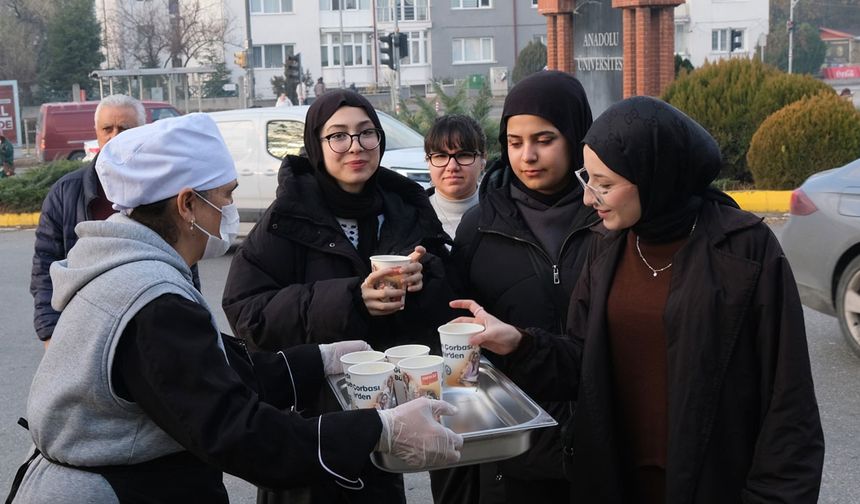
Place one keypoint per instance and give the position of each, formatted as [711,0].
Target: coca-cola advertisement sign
[845,72]
[10,114]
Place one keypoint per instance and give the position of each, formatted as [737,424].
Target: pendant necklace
[654,271]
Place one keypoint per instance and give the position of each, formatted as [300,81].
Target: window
[417,48]
[472,50]
[720,41]
[335,5]
[272,55]
[284,137]
[728,40]
[471,4]
[534,4]
[271,6]
[356,49]
[407,10]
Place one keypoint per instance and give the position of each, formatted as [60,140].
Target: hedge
[813,134]
[25,192]
[732,97]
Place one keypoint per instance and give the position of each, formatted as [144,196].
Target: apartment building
[472,36]
[716,29]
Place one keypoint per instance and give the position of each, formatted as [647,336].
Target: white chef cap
[153,162]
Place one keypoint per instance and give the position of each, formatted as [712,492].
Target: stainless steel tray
[495,421]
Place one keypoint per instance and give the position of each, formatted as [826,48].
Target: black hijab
[560,99]
[668,156]
[368,202]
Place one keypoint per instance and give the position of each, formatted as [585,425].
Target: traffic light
[736,40]
[240,59]
[402,43]
[386,51]
[294,67]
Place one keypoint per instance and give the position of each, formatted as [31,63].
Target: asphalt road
[836,371]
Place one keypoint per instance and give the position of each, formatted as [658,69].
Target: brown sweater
[637,337]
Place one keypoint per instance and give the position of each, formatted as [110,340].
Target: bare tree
[23,24]
[166,32]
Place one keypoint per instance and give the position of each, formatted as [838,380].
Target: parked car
[259,138]
[822,243]
[63,127]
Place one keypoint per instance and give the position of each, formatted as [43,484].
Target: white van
[259,138]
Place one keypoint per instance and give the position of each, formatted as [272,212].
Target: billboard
[598,52]
[10,112]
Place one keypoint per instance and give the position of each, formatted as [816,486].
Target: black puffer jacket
[502,265]
[296,278]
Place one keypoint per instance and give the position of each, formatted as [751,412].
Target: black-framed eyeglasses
[462,158]
[341,142]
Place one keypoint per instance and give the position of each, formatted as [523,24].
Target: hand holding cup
[497,337]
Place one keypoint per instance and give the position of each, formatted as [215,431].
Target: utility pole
[791,34]
[342,64]
[249,56]
[396,55]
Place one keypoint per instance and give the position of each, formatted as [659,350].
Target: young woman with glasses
[685,348]
[520,252]
[303,274]
[455,148]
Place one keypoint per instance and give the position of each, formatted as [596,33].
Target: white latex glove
[411,433]
[332,352]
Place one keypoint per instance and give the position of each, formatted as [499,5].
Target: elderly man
[76,197]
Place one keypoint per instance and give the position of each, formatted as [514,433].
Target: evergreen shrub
[731,98]
[810,135]
[25,192]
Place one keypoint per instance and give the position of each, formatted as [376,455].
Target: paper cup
[395,355]
[379,262]
[422,376]
[372,385]
[351,358]
[461,359]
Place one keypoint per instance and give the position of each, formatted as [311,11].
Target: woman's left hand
[413,278]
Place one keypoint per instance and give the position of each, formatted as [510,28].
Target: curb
[751,201]
[762,201]
[19,219]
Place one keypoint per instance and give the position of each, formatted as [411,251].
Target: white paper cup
[372,385]
[379,262]
[394,355]
[461,359]
[351,358]
[422,376]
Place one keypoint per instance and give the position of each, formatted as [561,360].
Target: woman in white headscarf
[140,398]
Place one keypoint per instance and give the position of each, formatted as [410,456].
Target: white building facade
[717,29]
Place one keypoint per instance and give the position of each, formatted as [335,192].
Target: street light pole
[791,34]
[249,56]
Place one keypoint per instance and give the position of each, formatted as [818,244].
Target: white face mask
[217,246]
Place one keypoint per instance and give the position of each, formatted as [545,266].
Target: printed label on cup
[422,376]
[462,360]
[394,355]
[372,385]
[351,358]
[379,262]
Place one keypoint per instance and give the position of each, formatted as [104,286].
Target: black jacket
[743,419]
[503,266]
[67,204]
[296,278]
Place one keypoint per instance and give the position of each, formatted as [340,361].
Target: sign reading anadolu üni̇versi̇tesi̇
[598,52]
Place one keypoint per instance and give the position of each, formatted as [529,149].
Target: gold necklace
[654,271]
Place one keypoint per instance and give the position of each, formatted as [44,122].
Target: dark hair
[161,217]
[455,130]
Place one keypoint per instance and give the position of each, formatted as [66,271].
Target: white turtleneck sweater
[451,211]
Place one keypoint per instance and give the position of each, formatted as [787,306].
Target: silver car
[822,243]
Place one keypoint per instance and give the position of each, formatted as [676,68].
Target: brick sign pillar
[559,33]
[649,45]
